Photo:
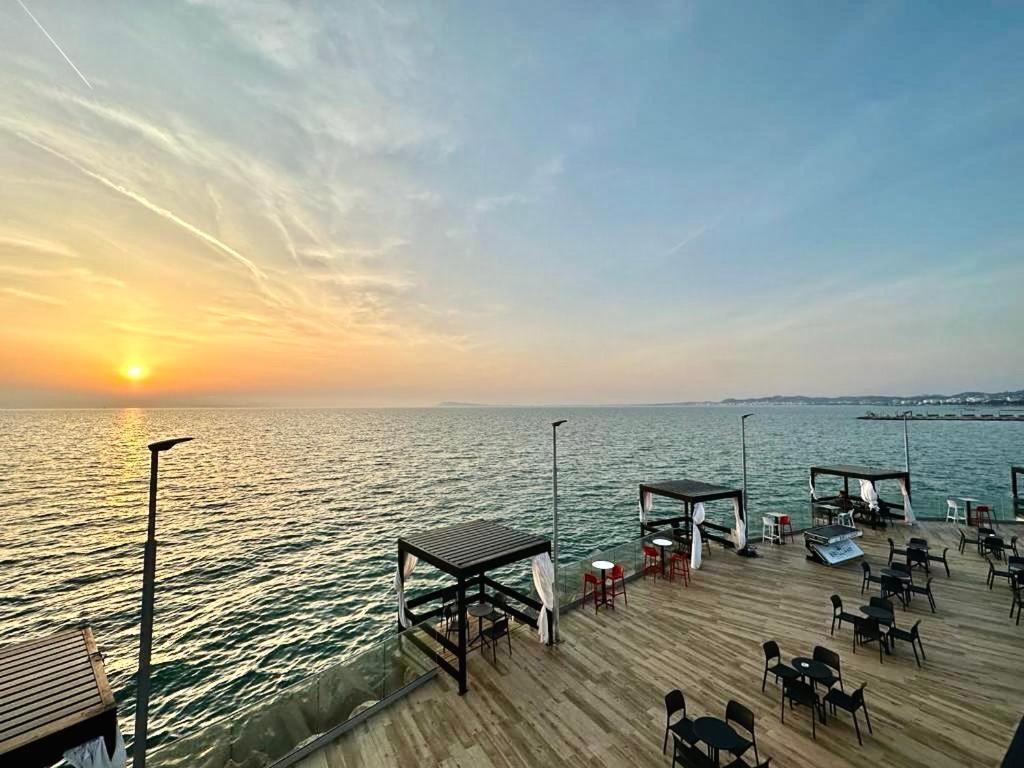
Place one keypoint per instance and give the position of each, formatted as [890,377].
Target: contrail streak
[158,210]
[59,49]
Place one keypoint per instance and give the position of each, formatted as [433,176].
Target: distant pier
[871,416]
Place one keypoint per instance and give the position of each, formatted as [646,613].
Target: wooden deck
[597,700]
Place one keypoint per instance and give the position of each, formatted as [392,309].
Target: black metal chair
[912,636]
[682,729]
[830,659]
[995,545]
[891,586]
[492,633]
[894,550]
[942,559]
[839,615]
[994,572]
[965,540]
[452,619]
[1017,582]
[918,558]
[850,703]
[925,590]
[799,692]
[868,632]
[689,756]
[868,578]
[1013,545]
[983,533]
[736,713]
[780,670]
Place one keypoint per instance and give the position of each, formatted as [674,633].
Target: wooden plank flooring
[597,700]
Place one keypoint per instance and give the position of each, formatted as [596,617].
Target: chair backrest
[827,656]
[650,551]
[902,567]
[771,651]
[918,542]
[881,602]
[1015,560]
[589,578]
[500,627]
[870,626]
[982,530]
[675,702]
[982,508]
[617,572]
[892,546]
[865,567]
[913,629]
[837,604]
[891,585]
[928,584]
[739,714]
[951,504]
[784,520]
[917,556]
[858,696]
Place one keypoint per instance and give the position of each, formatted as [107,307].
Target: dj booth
[832,544]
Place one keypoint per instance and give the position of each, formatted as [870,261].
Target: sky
[324,203]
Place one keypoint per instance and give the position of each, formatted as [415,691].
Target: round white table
[603,566]
[967,500]
[662,544]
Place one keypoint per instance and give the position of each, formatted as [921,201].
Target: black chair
[884,603]
[850,703]
[983,533]
[492,633]
[942,559]
[993,572]
[925,590]
[839,615]
[917,543]
[780,670]
[452,619]
[1017,582]
[965,540]
[682,728]
[912,636]
[894,550]
[891,586]
[799,692]
[995,545]
[689,756]
[868,578]
[1013,545]
[918,558]
[868,632]
[744,718]
[830,659]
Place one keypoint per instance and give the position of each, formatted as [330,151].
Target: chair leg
[782,712]
[922,649]
[664,744]
[856,727]
[834,626]
[868,718]
[764,680]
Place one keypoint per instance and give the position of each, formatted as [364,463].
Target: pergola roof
[859,472]
[473,547]
[691,491]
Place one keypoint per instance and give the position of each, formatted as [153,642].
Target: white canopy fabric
[739,535]
[402,572]
[814,493]
[646,503]
[93,754]
[908,511]
[698,518]
[544,581]
[869,494]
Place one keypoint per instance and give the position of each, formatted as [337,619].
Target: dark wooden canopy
[477,546]
[858,472]
[468,551]
[691,492]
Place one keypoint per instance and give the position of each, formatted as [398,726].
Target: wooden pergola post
[463,628]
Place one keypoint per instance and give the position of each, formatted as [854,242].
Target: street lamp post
[743,443]
[554,498]
[148,596]
[906,441]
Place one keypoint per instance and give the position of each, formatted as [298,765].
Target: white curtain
[544,581]
[869,494]
[739,535]
[908,511]
[814,494]
[697,544]
[645,504]
[93,754]
[403,572]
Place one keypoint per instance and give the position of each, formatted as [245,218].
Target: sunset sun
[134,372]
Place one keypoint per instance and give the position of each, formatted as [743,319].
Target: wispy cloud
[55,45]
[41,298]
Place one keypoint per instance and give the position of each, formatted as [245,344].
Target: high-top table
[604,566]
[662,544]
[54,695]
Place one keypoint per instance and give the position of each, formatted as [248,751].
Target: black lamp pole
[148,595]
[554,498]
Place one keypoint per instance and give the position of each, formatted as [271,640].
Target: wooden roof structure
[473,547]
[691,492]
[859,472]
[468,551]
[54,695]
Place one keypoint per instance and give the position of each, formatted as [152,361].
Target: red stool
[652,562]
[679,563]
[592,580]
[617,575]
[784,523]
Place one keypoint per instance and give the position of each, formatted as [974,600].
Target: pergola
[465,551]
[690,493]
[872,475]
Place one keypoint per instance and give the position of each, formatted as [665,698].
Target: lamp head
[557,424]
[166,445]
[746,416]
